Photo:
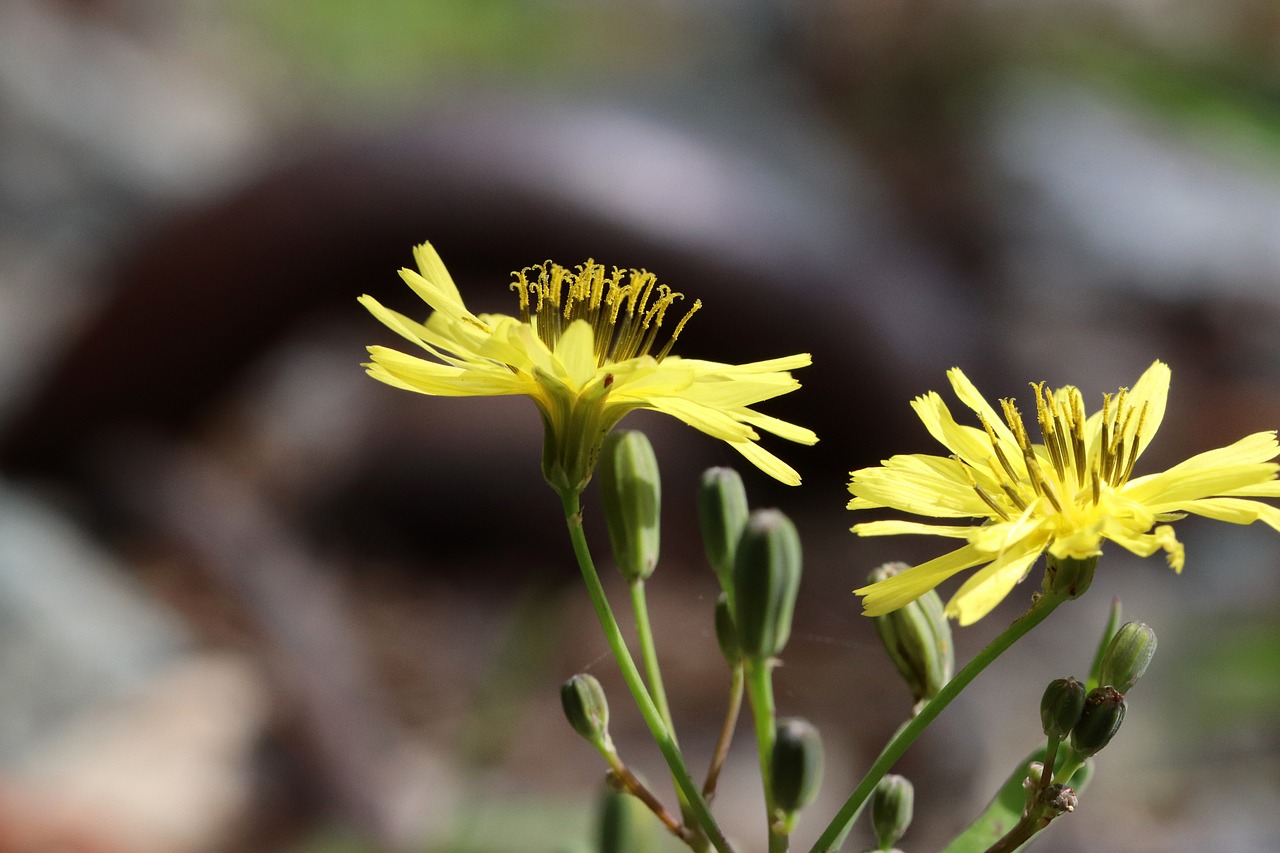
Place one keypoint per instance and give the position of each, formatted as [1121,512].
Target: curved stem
[653,675]
[838,829]
[631,675]
[726,734]
[649,653]
[760,692]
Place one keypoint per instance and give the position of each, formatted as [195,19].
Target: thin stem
[1050,758]
[653,675]
[838,829]
[726,733]
[641,792]
[760,692]
[649,653]
[1018,836]
[631,675]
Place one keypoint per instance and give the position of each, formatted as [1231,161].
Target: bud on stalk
[631,492]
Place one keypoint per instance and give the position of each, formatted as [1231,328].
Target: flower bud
[795,769]
[918,639]
[892,804]
[631,492]
[1103,713]
[587,709]
[722,515]
[1128,656]
[1035,775]
[726,634]
[626,825]
[1061,706]
[766,577]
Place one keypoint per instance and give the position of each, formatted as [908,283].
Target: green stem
[649,653]
[834,835]
[760,693]
[631,675]
[726,733]
[653,675]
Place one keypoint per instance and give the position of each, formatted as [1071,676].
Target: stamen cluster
[1062,426]
[624,321]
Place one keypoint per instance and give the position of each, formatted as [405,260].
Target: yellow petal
[711,421]
[893,527]
[767,462]
[924,485]
[1152,389]
[434,271]
[970,396]
[902,589]
[989,586]
[575,351]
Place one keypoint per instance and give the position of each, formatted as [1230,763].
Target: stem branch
[834,835]
[618,645]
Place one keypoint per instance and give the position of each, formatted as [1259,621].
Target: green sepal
[795,768]
[587,710]
[766,578]
[918,639]
[722,516]
[1061,707]
[1127,656]
[892,807]
[726,633]
[631,494]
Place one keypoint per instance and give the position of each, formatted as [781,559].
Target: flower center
[1074,464]
[625,317]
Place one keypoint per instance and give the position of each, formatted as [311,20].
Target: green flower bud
[766,577]
[1061,706]
[722,515]
[918,639]
[626,825]
[631,492]
[892,804]
[1068,576]
[1035,775]
[726,634]
[1128,656]
[1103,713]
[795,769]
[587,709]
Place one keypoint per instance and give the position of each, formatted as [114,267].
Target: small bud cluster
[1091,719]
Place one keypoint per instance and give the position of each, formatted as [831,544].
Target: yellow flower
[582,349]
[1064,496]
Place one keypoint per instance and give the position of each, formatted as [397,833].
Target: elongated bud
[892,805]
[918,639]
[1061,707]
[1128,656]
[631,492]
[626,825]
[795,769]
[726,634]
[766,577]
[722,516]
[587,709]
[1103,713]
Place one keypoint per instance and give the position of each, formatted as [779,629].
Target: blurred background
[251,600]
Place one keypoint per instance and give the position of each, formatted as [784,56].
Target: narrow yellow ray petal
[989,586]
[904,588]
